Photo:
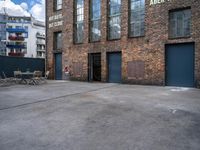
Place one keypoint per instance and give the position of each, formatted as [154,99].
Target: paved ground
[97,116]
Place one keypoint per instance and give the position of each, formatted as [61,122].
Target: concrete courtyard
[98,116]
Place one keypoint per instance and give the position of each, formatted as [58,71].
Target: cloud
[24,6]
[38,10]
[13,9]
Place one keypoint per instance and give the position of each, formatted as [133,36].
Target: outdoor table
[27,77]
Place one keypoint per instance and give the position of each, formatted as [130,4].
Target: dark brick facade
[146,54]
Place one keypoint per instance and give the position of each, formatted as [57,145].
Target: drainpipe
[46,36]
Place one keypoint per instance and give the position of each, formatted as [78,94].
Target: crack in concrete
[54,98]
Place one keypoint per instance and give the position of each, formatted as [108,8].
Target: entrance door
[114,67]
[180,65]
[94,67]
[58,66]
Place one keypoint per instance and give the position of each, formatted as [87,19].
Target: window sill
[176,38]
[78,43]
[113,39]
[57,10]
[57,51]
[95,41]
[132,37]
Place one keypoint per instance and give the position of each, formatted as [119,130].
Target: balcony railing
[16,46]
[40,42]
[18,54]
[16,30]
[16,38]
[38,35]
[40,50]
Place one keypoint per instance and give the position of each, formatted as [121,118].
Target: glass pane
[115,19]
[79,33]
[95,30]
[115,27]
[95,33]
[58,40]
[180,23]
[137,18]
[58,4]
[115,7]
[79,18]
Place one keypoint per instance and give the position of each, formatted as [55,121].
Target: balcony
[40,50]
[39,35]
[40,42]
[16,46]
[16,30]
[17,54]
[16,38]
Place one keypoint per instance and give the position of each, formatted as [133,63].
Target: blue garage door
[58,66]
[114,67]
[180,65]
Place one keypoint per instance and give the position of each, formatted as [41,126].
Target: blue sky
[22,7]
[29,2]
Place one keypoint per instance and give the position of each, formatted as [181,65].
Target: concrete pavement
[99,116]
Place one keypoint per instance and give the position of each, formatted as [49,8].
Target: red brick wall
[149,49]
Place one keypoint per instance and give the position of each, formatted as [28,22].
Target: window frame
[91,20]
[129,21]
[169,23]
[108,21]
[55,7]
[75,23]
[55,41]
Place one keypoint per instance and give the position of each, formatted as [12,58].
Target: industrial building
[151,42]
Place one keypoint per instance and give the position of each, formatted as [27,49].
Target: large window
[137,18]
[95,20]
[57,5]
[114,26]
[78,21]
[57,41]
[180,23]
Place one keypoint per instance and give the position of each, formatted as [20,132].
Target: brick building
[129,41]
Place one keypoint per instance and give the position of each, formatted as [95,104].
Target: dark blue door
[180,65]
[114,67]
[58,66]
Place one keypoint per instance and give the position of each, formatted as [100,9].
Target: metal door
[114,67]
[180,65]
[58,66]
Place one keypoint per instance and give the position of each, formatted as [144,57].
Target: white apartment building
[25,37]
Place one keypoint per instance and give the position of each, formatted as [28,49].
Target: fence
[10,64]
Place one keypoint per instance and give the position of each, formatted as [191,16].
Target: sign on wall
[154,2]
[55,20]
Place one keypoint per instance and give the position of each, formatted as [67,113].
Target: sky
[24,8]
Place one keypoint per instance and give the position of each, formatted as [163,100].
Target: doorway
[94,65]
[58,66]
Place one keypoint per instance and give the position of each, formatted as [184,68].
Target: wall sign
[55,24]
[154,2]
[55,20]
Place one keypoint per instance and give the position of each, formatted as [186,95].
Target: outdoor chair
[2,81]
[7,79]
[44,79]
[17,76]
[37,77]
